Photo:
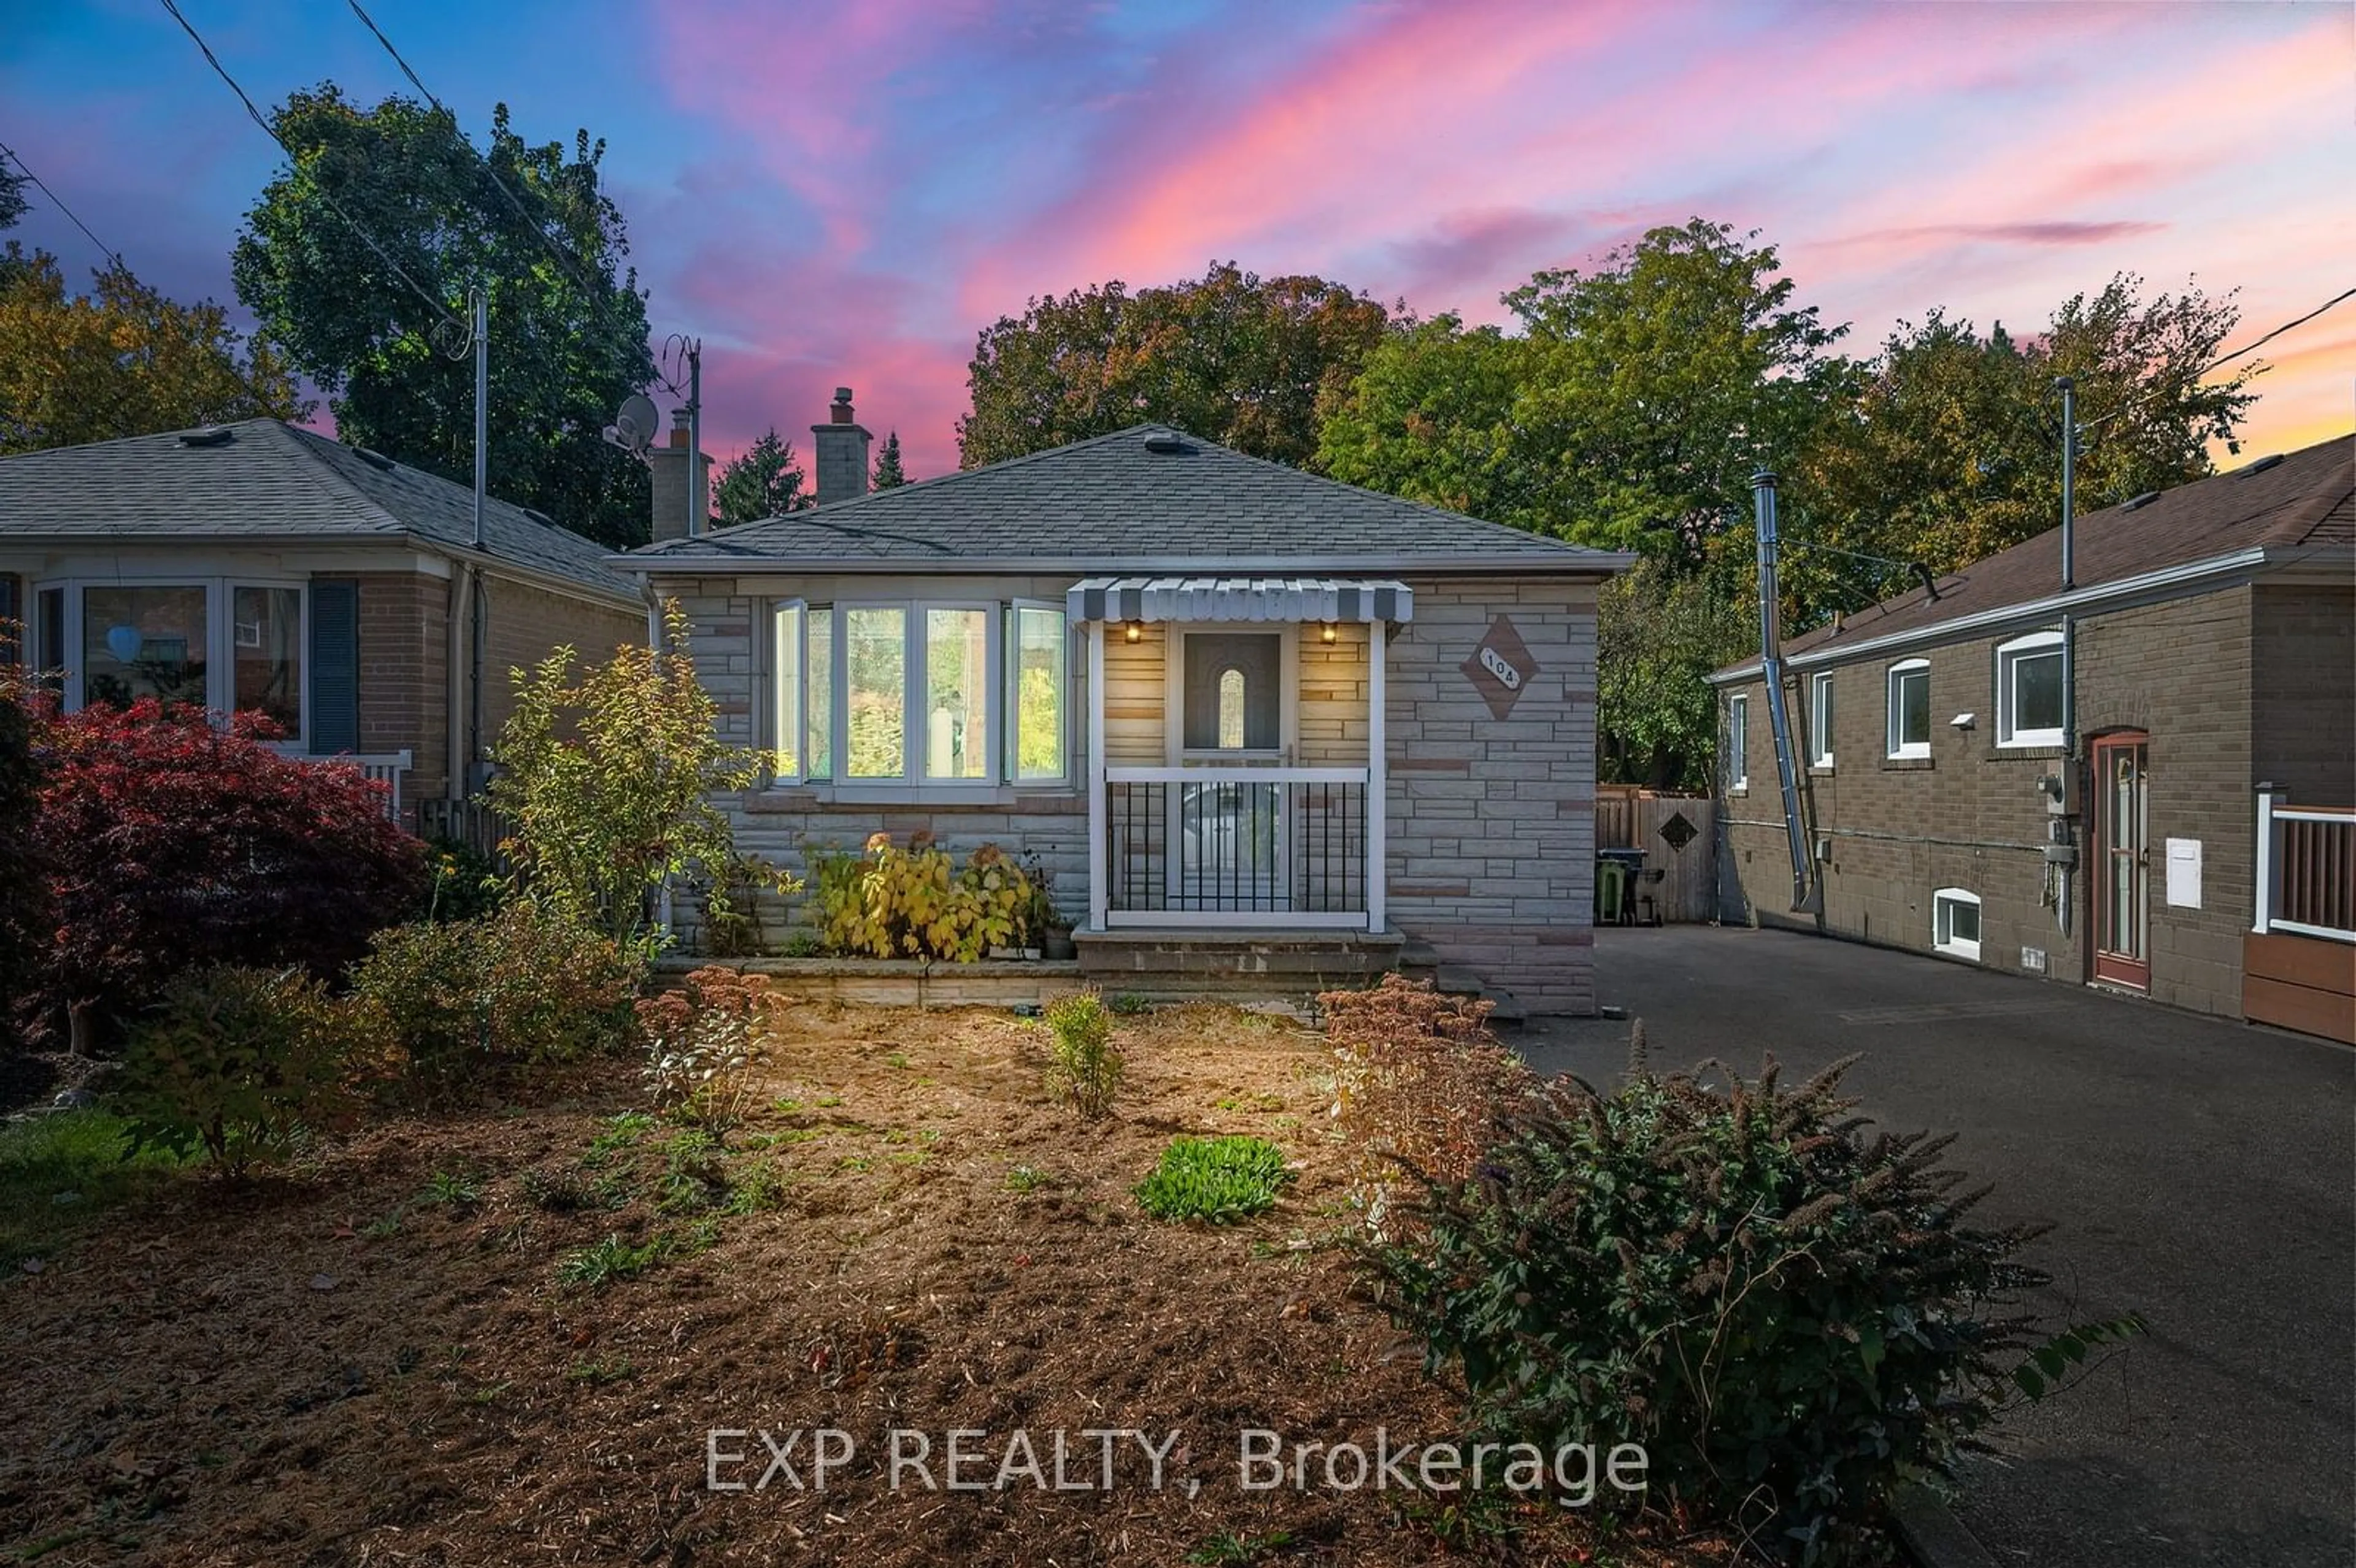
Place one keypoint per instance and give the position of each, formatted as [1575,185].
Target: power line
[367,239]
[104,247]
[2224,359]
[515,201]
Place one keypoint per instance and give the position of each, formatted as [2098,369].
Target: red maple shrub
[171,842]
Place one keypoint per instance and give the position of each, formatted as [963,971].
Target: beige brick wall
[1491,822]
[1970,816]
[524,625]
[404,653]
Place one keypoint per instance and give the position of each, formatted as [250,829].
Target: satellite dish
[634,428]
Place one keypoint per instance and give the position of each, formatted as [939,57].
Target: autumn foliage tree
[122,361]
[1230,356]
[170,841]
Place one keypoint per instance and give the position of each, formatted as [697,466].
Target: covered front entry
[1236,770]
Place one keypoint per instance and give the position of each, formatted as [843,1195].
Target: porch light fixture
[1133,633]
[1327,633]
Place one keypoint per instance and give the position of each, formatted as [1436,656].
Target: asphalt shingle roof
[1113,501]
[2307,500]
[271,480]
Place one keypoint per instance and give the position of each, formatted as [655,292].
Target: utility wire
[2224,359]
[523,212]
[367,239]
[103,249]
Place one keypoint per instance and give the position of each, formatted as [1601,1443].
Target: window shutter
[12,617]
[335,668]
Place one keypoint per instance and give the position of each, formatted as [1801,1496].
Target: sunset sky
[846,191]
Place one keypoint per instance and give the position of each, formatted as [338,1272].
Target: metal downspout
[1771,663]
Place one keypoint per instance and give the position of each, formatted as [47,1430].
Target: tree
[170,843]
[12,197]
[888,474]
[1230,356]
[762,482]
[25,912]
[122,361]
[1629,412]
[1951,451]
[1657,637]
[609,783]
[568,327]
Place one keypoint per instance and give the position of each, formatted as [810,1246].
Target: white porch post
[1377,775]
[1098,892]
[2268,880]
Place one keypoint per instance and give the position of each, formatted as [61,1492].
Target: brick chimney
[840,446]
[669,466]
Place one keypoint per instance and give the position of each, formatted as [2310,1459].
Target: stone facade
[1491,820]
[2232,687]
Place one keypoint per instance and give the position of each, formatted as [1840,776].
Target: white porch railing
[384,767]
[2306,881]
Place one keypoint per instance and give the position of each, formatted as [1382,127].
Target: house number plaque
[1501,667]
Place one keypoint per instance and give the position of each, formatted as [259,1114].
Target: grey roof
[1115,502]
[269,480]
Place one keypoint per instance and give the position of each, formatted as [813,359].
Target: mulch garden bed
[377,1359]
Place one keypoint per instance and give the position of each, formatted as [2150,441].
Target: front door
[1231,713]
[2122,879]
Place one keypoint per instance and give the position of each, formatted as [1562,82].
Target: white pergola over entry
[1248,843]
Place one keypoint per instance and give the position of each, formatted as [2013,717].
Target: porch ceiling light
[1133,633]
[1328,632]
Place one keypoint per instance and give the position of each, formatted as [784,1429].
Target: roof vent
[210,435]
[537,516]
[373,458]
[1167,446]
[2138,503]
[2260,466]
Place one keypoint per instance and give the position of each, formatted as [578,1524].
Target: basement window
[1955,924]
[2028,690]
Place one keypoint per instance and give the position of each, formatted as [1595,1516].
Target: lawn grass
[60,1173]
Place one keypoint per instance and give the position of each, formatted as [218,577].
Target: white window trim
[1820,738]
[1738,736]
[2008,659]
[221,635]
[1010,685]
[1896,748]
[1954,946]
[910,783]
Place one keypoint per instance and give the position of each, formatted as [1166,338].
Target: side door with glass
[2121,884]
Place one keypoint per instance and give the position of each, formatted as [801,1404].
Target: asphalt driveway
[2198,1171]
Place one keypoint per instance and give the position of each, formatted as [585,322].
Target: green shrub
[470,999]
[1215,1180]
[242,1064]
[916,903]
[1791,1316]
[467,884]
[1087,1065]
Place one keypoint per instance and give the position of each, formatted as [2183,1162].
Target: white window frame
[221,635]
[1738,741]
[1001,676]
[2008,655]
[1942,939]
[1899,749]
[1010,685]
[1820,719]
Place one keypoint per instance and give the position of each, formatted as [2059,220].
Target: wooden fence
[467,822]
[1678,835]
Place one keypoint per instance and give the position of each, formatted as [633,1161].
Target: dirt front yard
[509,1336]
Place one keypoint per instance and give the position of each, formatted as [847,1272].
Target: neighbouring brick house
[1254,723]
[2197,844]
[259,565]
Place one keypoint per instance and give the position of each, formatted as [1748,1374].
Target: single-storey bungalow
[1251,722]
[262,566]
[2144,781]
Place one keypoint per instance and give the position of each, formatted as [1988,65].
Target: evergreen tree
[765,481]
[888,474]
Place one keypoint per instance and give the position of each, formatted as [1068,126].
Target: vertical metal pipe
[482,304]
[1771,664]
[695,438]
[477,611]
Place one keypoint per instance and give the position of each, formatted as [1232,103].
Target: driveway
[2200,1172]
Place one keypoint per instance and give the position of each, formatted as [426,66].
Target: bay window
[938,694]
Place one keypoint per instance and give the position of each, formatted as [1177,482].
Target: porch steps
[1417,961]
[1180,964]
